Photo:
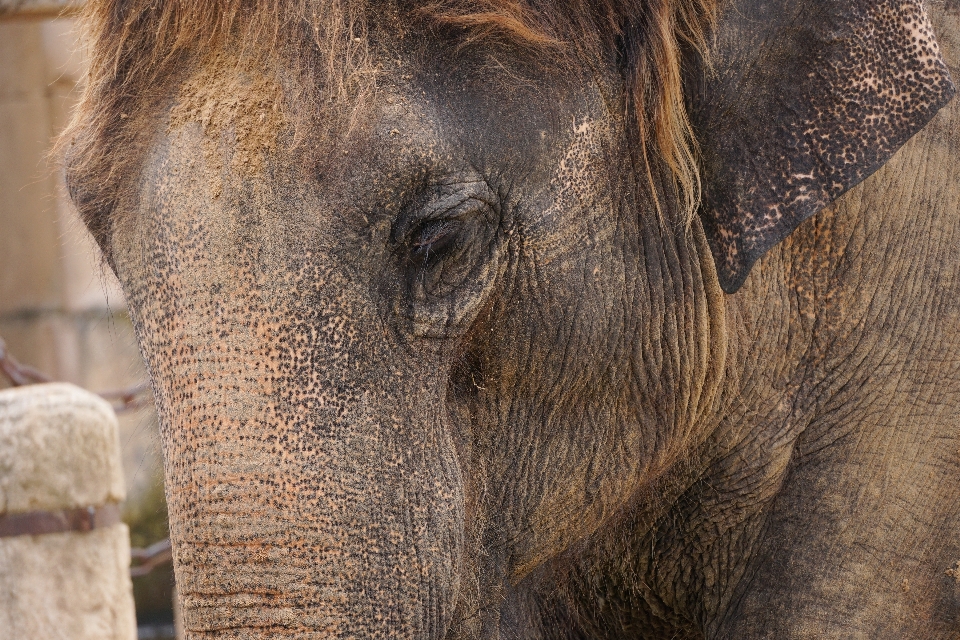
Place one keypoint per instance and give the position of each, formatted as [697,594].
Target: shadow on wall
[60,310]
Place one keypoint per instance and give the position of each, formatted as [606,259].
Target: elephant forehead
[235,96]
[259,139]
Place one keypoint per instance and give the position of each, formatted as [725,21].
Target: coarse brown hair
[137,46]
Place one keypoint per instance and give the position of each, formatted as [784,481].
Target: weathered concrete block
[59,449]
[60,452]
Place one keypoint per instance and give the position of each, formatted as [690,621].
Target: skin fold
[461,375]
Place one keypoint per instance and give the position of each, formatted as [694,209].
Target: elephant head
[428,295]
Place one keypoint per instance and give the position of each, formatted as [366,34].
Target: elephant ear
[804,100]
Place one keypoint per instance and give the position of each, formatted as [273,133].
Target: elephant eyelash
[435,234]
[467,200]
[432,241]
[442,227]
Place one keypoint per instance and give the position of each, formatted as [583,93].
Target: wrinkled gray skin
[556,425]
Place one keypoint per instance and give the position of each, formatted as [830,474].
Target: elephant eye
[433,239]
[443,242]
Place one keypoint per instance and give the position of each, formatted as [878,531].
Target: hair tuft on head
[138,47]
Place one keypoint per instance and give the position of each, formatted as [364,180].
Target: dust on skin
[954,571]
[233,96]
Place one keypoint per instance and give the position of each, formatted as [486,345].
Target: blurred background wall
[61,310]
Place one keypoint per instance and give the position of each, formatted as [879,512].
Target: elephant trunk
[313,488]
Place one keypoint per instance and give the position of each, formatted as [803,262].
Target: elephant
[526,319]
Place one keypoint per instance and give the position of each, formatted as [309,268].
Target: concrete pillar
[60,473]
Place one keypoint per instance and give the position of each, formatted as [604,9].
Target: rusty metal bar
[19,374]
[35,523]
[127,399]
[150,558]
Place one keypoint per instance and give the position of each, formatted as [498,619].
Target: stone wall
[60,309]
